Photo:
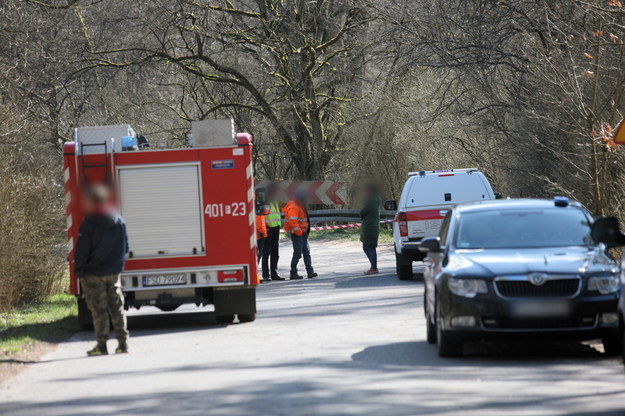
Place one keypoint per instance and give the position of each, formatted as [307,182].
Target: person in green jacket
[370,228]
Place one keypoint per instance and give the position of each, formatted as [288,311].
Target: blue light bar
[561,201]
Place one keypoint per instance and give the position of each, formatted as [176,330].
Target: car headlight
[467,288]
[605,284]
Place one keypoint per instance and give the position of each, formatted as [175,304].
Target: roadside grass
[350,234]
[52,320]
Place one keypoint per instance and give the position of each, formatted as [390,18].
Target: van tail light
[230,276]
[402,219]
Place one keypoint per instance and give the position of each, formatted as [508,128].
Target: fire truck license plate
[165,280]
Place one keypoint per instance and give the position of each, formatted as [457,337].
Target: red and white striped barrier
[336,227]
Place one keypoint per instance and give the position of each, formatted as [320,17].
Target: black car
[519,269]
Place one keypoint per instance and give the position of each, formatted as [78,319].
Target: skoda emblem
[538,279]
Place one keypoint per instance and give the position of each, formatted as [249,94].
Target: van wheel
[85,321]
[403,267]
[404,272]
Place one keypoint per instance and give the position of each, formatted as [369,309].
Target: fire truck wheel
[84,315]
[225,319]
[247,317]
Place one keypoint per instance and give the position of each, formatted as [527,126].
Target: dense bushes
[32,249]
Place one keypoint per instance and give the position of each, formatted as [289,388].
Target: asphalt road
[342,344]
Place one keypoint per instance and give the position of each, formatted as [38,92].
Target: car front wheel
[430,326]
[612,345]
[447,346]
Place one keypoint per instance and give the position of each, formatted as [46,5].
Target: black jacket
[102,245]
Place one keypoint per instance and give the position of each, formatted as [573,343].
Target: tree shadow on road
[380,280]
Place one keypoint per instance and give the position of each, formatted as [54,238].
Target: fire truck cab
[189,215]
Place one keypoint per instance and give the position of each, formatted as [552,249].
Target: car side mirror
[498,195]
[431,245]
[606,230]
[390,205]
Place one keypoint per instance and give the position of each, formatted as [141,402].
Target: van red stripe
[432,214]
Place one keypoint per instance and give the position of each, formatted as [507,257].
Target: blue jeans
[301,248]
[372,255]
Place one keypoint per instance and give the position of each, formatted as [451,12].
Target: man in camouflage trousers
[99,259]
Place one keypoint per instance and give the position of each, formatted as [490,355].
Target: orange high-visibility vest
[261,227]
[296,220]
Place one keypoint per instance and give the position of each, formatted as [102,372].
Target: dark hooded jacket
[370,227]
[102,245]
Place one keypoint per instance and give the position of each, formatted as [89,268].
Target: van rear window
[447,190]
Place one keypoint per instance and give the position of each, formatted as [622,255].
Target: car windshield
[526,228]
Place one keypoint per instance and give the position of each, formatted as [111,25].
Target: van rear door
[431,195]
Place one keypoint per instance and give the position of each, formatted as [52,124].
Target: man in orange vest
[296,224]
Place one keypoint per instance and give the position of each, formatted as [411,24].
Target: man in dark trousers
[99,259]
[297,224]
[271,245]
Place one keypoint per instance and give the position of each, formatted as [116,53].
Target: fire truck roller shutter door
[162,209]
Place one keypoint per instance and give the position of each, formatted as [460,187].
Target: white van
[424,202]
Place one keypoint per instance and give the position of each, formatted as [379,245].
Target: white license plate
[165,280]
[540,309]
[432,224]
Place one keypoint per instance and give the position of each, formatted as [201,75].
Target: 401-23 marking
[235,209]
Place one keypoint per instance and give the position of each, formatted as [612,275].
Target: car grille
[550,289]
[584,322]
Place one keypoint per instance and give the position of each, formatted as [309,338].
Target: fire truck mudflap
[189,215]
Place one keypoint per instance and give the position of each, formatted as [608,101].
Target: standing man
[297,225]
[271,246]
[99,259]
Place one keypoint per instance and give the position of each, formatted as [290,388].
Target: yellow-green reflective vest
[273,218]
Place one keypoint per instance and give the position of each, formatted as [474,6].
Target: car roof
[512,204]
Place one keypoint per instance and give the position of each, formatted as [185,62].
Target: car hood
[557,260]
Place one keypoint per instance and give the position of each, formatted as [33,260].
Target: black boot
[122,348]
[99,349]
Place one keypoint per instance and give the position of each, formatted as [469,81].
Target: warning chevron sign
[321,192]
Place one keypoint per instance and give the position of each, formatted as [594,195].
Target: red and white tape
[336,227]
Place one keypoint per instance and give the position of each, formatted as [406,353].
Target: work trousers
[260,244]
[271,252]
[104,298]
[301,248]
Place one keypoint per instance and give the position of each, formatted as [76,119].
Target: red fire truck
[189,215]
